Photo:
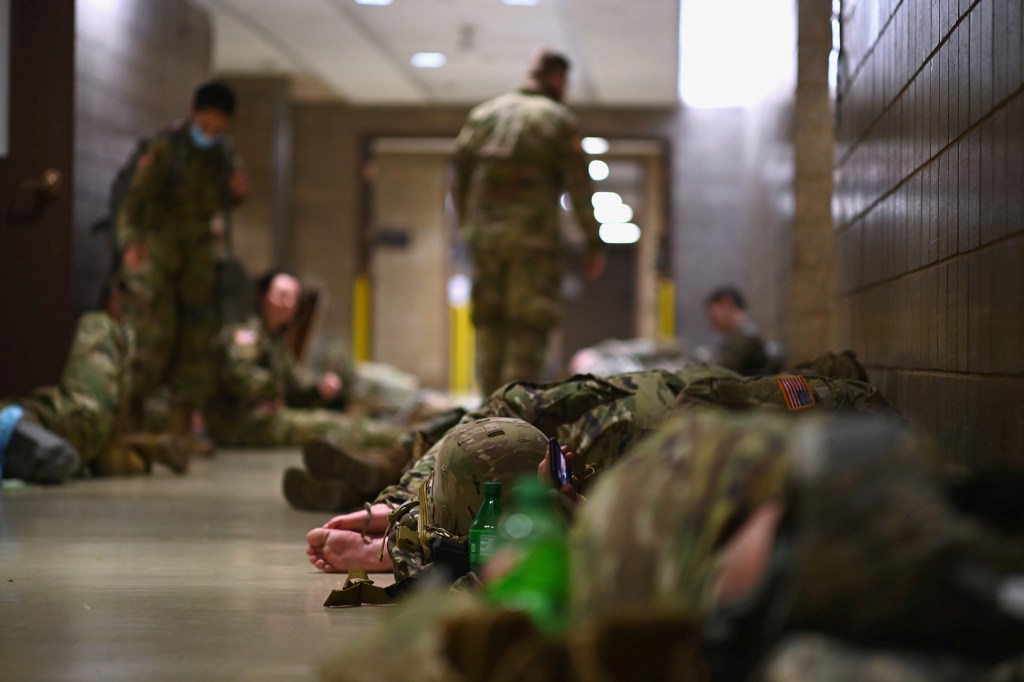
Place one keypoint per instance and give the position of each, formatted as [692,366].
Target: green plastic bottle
[483,532]
[533,537]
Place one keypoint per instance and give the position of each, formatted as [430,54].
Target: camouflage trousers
[296,426]
[172,307]
[516,304]
[74,418]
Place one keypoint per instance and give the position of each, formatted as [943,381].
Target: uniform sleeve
[151,173]
[301,389]
[576,180]
[241,373]
[409,486]
[95,362]
[463,160]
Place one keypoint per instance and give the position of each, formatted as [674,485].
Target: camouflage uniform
[94,386]
[256,369]
[743,351]
[784,392]
[515,156]
[597,418]
[868,551]
[175,192]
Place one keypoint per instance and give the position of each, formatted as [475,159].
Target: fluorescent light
[521,3]
[735,53]
[619,233]
[595,145]
[378,3]
[621,213]
[601,199]
[428,60]
[598,170]
[565,201]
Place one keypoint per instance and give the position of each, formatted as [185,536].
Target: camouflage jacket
[743,351]
[255,366]
[784,392]
[94,386]
[175,191]
[514,157]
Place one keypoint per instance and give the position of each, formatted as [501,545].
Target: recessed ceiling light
[622,213]
[428,60]
[598,170]
[620,233]
[521,3]
[379,3]
[595,145]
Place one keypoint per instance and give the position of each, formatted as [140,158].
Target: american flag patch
[796,392]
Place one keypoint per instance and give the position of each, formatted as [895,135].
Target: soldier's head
[550,70]
[213,107]
[497,450]
[278,293]
[726,309]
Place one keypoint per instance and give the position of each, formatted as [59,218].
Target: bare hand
[594,265]
[329,385]
[135,256]
[359,521]
[239,184]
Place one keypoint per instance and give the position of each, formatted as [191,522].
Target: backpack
[177,132]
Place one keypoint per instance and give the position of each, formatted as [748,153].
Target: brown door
[35,203]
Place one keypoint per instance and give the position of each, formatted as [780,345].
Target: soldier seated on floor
[742,349]
[263,398]
[59,431]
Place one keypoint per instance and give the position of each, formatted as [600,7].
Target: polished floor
[201,577]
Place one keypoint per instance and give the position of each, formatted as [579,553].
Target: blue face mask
[201,139]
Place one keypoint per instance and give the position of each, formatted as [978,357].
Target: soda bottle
[533,545]
[483,532]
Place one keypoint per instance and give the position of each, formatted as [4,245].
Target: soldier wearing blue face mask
[167,253]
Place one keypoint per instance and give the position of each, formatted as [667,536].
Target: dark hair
[727,292]
[547,62]
[264,281]
[214,95]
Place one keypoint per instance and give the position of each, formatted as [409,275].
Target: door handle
[47,187]
[33,195]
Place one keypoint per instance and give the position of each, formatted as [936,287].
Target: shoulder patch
[245,336]
[796,392]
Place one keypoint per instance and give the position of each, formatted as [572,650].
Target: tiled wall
[137,63]
[929,176]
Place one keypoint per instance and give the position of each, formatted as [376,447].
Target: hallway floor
[202,577]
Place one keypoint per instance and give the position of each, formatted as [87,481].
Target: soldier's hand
[329,385]
[593,265]
[135,256]
[544,473]
[239,184]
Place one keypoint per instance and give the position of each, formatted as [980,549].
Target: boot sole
[302,491]
[325,460]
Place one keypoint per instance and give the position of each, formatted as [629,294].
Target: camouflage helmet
[495,449]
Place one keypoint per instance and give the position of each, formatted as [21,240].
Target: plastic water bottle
[483,532]
[532,539]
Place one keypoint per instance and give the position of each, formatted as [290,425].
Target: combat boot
[180,427]
[38,455]
[368,473]
[159,448]
[120,460]
[325,495]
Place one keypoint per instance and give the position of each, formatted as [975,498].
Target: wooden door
[35,181]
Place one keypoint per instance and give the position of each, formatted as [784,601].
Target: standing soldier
[515,157]
[167,256]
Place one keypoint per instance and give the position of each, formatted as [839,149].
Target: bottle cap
[492,488]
